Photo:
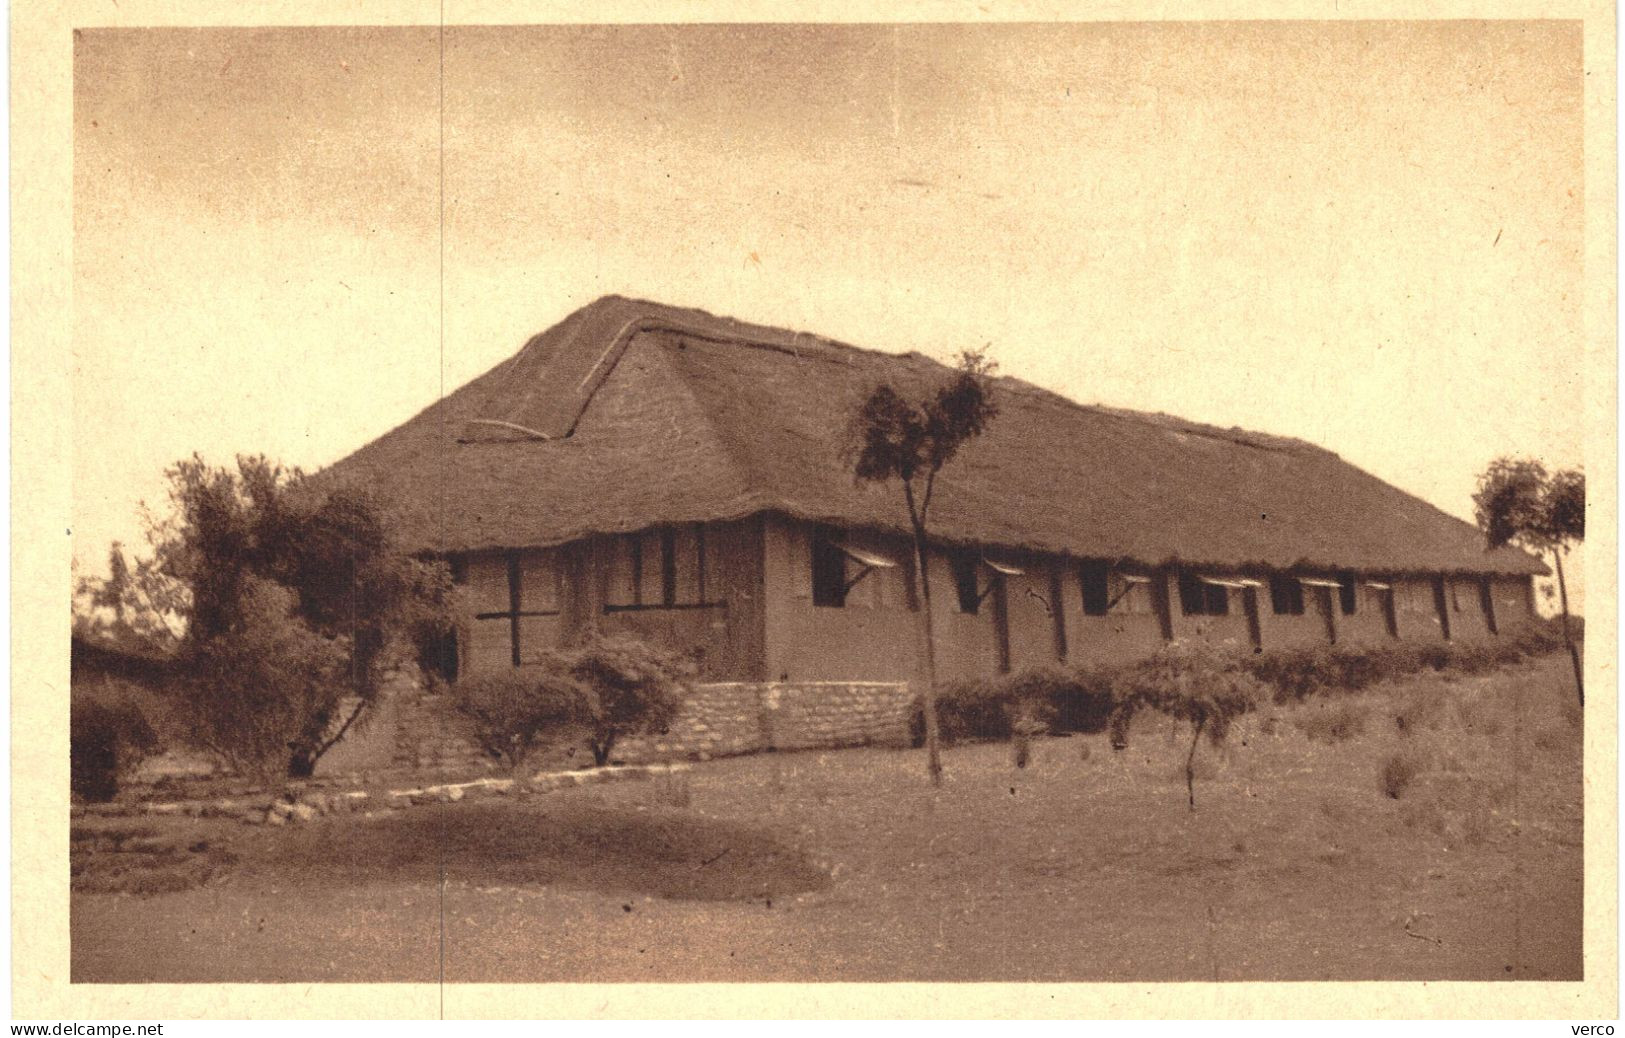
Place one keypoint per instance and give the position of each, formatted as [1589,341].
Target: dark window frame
[1199,598]
[829,586]
[964,566]
[1094,577]
[1286,595]
[1348,594]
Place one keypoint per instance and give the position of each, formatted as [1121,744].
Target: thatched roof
[655,414]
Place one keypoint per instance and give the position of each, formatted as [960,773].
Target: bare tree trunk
[928,697]
[303,764]
[1568,638]
[928,694]
[1190,763]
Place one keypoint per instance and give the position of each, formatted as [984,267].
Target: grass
[1086,865]
[564,842]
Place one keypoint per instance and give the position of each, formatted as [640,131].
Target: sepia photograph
[1081,503]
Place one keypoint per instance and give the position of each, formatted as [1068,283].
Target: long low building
[681,476]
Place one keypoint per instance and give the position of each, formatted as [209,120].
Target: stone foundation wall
[717,720]
[747,717]
[828,714]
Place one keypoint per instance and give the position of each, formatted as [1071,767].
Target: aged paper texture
[280,241]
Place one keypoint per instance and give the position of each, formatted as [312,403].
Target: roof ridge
[744,337]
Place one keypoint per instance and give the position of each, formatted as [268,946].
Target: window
[1198,598]
[1286,596]
[509,592]
[662,568]
[853,569]
[1347,595]
[964,569]
[828,568]
[1097,598]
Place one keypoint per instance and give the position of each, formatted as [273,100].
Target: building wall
[747,717]
[1514,600]
[1231,627]
[1468,621]
[1291,630]
[1030,609]
[966,643]
[716,609]
[1130,630]
[871,638]
[1417,614]
[1367,625]
[754,618]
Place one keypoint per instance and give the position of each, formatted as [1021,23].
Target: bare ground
[1085,866]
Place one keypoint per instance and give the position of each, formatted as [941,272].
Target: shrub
[1434,656]
[106,737]
[1398,771]
[1085,700]
[996,708]
[1333,724]
[630,686]
[513,710]
[1122,717]
[1294,674]
[970,710]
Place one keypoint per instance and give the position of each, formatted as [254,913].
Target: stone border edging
[285,809]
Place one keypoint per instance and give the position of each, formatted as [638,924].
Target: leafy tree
[286,602]
[894,438]
[1196,682]
[1517,500]
[262,694]
[631,686]
[133,606]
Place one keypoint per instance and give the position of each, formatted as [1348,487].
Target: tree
[1195,682]
[286,601]
[132,606]
[262,694]
[1518,501]
[895,439]
[630,685]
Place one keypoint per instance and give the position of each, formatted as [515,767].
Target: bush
[995,708]
[1333,724]
[513,710]
[610,685]
[1084,702]
[970,710]
[1398,771]
[106,737]
[630,686]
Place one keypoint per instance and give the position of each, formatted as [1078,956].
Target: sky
[1367,235]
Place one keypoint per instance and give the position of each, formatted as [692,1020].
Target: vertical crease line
[440,849]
